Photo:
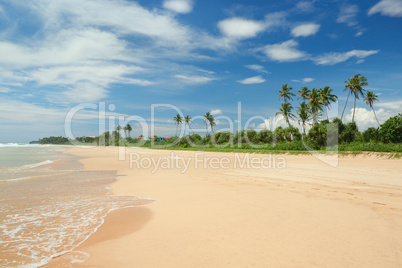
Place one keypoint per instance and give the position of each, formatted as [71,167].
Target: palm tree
[128,129]
[285,93]
[303,94]
[315,104]
[177,119]
[304,114]
[286,111]
[212,122]
[370,99]
[118,128]
[187,120]
[207,116]
[355,86]
[327,97]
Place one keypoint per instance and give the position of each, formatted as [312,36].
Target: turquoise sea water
[48,205]
[14,154]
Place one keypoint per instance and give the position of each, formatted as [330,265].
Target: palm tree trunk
[375,115]
[190,128]
[345,105]
[326,112]
[354,110]
[176,129]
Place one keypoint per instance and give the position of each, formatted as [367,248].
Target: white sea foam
[46,162]
[58,213]
[14,145]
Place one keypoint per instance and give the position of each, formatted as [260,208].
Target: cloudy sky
[188,55]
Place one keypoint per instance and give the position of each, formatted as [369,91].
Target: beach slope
[281,211]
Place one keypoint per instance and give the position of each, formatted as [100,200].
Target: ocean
[49,205]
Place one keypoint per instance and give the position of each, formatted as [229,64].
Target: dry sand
[304,214]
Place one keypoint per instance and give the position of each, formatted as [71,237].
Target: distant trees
[187,120]
[327,98]
[53,140]
[304,114]
[286,93]
[354,86]
[177,120]
[315,104]
[369,99]
[286,111]
[209,120]
[127,130]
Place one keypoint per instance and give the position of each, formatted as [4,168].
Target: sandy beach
[280,211]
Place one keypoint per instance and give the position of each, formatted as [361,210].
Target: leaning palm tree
[370,98]
[327,97]
[286,111]
[355,86]
[212,122]
[303,94]
[207,116]
[187,120]
[177,120]
[128,129]
[125,131]
[315,104]
[304,113]
[285,93]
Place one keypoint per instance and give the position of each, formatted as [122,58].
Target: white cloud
[179,6]
[392,8]
[253,80]
[81,92]
[334,58]
[365,118]
[308,80]
[239,28]
[12,78]
[257,68]
[5,90]
[195,79]
[33,114]
[304,80]
[85,42]
[359,33]
[216,112]
[305,29]
[66,47]
[305,6]
[394,105]
[285,51]
[98,73]
[348,14]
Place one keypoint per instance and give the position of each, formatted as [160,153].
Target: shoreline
[231,217]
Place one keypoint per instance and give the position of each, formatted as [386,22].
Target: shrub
[292,134]
[371,134]
[350,133]
[265,136]
[391,130]
[279,135]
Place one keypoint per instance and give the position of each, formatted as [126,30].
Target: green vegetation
[323,135]
[391,130]
[52,140]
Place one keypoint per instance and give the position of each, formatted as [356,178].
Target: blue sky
[198,56]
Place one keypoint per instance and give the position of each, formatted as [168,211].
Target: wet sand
[304,214]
